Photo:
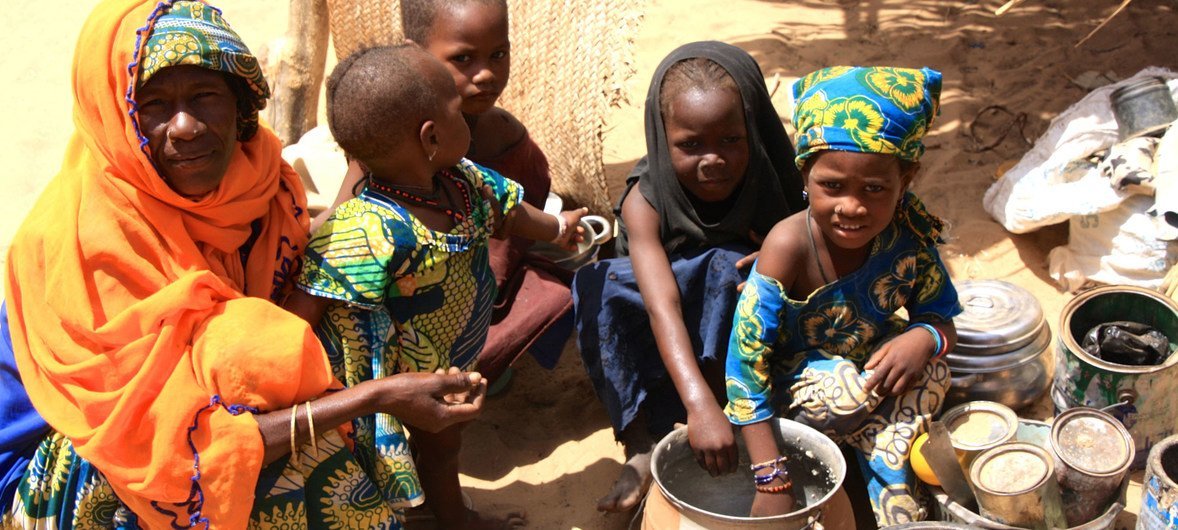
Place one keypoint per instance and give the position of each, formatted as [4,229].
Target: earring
[805,194]
[431,155]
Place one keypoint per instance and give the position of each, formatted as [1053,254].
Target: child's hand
[573,233]
[748,260]
[710,435]
[899,363]
[498,220]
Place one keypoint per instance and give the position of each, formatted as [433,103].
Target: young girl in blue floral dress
[816,337]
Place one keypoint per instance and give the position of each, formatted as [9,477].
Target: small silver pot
[1002,346]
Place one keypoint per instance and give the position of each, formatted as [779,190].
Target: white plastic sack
[1042,189]
[1121,246]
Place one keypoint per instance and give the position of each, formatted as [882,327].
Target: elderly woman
[162,385]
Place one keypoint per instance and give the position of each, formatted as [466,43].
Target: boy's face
[471,40]
[449,125]
[708,141]
[853,196]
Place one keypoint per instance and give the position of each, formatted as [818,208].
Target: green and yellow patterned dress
[408,299]
[803,359]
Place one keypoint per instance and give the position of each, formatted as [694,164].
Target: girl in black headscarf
[718,174]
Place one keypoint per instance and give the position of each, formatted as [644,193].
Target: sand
[545,445]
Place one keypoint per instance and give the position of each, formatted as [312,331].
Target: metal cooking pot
[1002,346]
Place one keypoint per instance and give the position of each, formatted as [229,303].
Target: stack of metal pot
[1002,345]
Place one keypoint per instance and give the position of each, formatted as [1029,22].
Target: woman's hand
[710,435]
[432,402]
[899,363]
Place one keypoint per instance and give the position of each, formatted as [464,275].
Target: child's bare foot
[631,485]
[478,521]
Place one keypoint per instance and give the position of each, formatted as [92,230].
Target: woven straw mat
[570,62]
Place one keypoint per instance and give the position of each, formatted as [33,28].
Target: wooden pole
[1120,8]
[299,73]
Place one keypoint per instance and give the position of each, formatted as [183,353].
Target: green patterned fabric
[193,33]
[328,489]
[408,299]
[876,109]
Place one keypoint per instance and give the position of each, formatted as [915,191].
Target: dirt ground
[545,445]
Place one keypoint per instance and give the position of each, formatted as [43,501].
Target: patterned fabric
[186,290]
[409,300]
[194,33]
[804,358]
[324,490]
[865,109]
[618,347]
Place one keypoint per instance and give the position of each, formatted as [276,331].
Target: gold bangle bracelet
[294,448]
[311,425]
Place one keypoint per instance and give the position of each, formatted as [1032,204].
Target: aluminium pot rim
[966,362]
[680,433]
[1071,346]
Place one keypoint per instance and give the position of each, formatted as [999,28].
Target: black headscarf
[772,187]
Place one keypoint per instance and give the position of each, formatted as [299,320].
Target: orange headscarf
[131,310]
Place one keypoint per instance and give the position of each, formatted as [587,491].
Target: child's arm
[306,306]
[899,363]
[530,222]
[775,261]
[709,432]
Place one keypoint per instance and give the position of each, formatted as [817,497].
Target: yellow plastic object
[919,465]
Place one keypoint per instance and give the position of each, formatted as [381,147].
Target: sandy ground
[545,445]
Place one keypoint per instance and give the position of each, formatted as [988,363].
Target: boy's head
[471,38]
[382,99]
[704,122]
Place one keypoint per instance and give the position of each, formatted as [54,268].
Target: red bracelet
[789,484]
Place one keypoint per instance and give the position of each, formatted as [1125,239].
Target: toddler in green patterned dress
[397,279]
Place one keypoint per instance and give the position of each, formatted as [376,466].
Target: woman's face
[189,116]
[853,196]
[708,141]
[471,40]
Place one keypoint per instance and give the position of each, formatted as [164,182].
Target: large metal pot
[816,467]
[1142,397]
[1003,345]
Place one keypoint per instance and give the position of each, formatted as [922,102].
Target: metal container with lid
[1011,482]
[1092,452]
[1143,107]
[1002,338]
[978,426]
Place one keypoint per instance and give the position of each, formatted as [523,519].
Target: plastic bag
[1128,343]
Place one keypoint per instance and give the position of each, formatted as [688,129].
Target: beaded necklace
[430,201]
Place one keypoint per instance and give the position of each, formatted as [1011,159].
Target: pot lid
[1012,468]
[998,317]
[968,362]
[1091,441]
[979,424]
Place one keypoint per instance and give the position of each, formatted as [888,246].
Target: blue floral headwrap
[874,109]
[193,33]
